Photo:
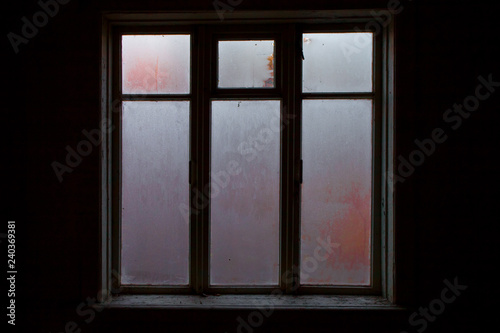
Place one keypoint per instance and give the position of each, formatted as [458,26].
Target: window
[245,158]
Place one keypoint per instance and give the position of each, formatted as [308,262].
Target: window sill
[249,302]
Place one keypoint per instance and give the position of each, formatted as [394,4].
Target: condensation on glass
[244,214]
[337,62]
[154,233]
[246,64]
[336,192]
[156,64]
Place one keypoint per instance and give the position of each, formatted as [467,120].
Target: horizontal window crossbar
[338,95]
[154,97]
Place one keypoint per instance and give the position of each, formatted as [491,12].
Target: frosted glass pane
[155,64]
[336,192]
[155,152]
[337,62]
[245,163]
[246,64]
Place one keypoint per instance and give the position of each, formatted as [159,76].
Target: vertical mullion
[388,167]
[290,160]
[383,164]
[105,175]
[285,216]
[297,135]
[207,61]
[376,163]
[116,163]
[193,158]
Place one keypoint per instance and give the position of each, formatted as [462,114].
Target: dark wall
[445,208]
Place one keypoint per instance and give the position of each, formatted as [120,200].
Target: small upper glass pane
[337,62]
[156,64]
[246,64]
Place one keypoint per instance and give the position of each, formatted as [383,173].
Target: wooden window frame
[288,27]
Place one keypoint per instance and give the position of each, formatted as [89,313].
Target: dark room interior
[443,65]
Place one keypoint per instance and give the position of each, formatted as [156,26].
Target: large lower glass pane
[337,62]
[246,64]
[244,214]
[155,153]
[336,192]
[156,64]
